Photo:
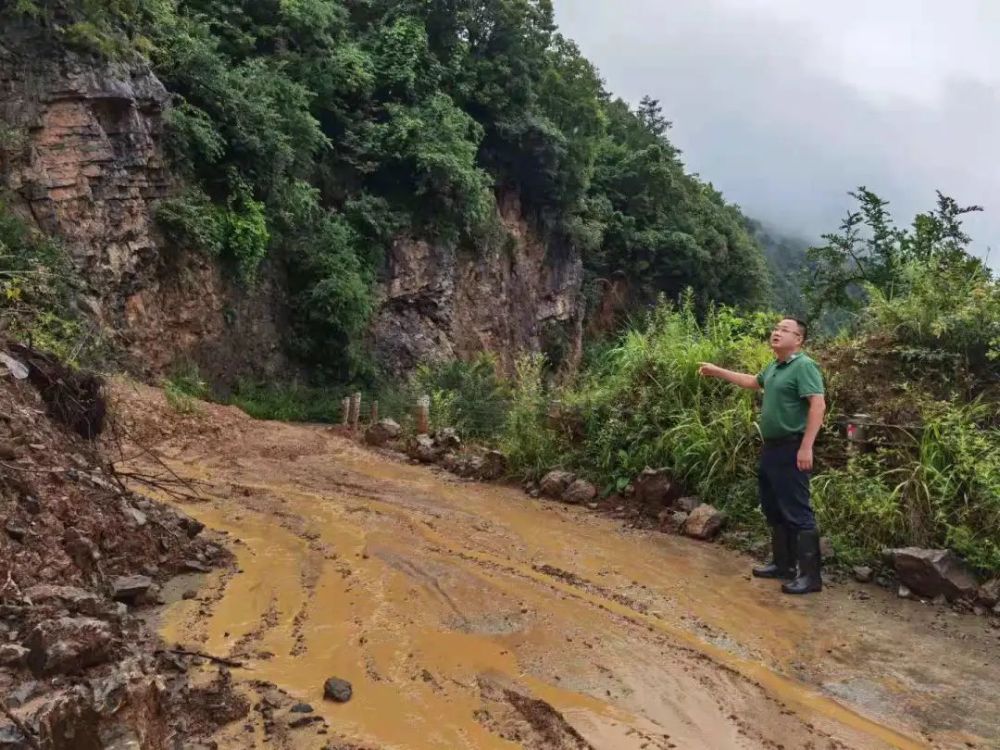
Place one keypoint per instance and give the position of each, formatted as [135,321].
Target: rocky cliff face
[517,296]
[83,159]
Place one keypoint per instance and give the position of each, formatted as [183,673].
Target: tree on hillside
[869,250]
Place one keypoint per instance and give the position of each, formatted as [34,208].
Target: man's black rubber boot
[783,555]
[809,579]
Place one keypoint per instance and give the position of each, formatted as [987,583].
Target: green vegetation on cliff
[314,131]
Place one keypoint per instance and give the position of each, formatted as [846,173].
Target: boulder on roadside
[579,492]
[494,465]
[989,593]
[934,572]
[422,449]
[655,489]
[338,690]
[447,439]
[704,522]
[554,483]
[382,432]
[66,645]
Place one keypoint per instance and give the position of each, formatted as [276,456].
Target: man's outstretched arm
[742,379]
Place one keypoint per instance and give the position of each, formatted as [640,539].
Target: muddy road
[470,616]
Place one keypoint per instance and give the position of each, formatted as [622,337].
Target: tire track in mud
[783,690]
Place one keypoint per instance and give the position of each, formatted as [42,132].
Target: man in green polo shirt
[790,419]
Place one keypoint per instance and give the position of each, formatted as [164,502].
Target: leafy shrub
[192,220]
[292,402]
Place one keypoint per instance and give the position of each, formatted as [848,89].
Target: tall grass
[641,403]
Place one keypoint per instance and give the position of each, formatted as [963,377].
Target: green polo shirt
[786,387]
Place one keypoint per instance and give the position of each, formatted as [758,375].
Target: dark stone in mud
[304,721]
[932,572]
[67,645]
[12,655]
[338,690]
[12,739]
[863,574]
[580,492]
[688,504]
[301,708]
[130,588]
[189,594]
[15,531]
[554,483]
[196,567]
[30,503]
[22,694]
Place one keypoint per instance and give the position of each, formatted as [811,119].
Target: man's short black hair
[803,328]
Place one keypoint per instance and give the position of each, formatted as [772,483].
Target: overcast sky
[785,105]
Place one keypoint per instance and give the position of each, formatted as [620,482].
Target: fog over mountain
[786,105]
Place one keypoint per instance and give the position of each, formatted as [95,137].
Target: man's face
[786,336]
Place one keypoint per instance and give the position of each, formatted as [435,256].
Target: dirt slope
[469,616]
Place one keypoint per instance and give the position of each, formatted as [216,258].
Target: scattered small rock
[554,483]
[15,531]
[130,588]
[11,737]
[904,592]
[66,645]
[30,503]
[688,504]
[579,492]
[189,594]
[76,600]
[704,522]
[301,708]
[826,550]
[195,566]
[338,690]
[863,574]
[304,721]
[12,655]
[136,515]
[494,465]
[989,593]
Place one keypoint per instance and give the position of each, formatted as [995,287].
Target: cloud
[786,106]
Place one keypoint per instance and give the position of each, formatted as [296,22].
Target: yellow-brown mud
[470,616]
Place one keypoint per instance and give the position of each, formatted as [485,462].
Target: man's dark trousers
[783,487]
